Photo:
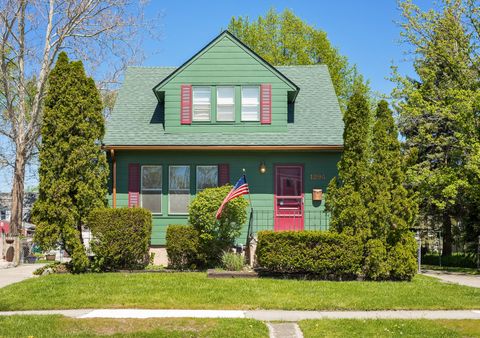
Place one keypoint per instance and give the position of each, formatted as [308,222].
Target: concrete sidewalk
[263,315]
[454,277]
[17,274]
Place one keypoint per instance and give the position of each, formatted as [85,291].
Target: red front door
[288,197]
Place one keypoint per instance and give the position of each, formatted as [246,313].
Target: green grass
[58,326]
[196,291]
[469,271]
[390,328]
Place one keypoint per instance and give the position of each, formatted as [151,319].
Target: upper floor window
[225,104]
[201,104]
[3,214]
[251,103]
[152,188]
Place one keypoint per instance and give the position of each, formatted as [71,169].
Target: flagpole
[249,196]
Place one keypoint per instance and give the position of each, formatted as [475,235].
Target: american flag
[241,188]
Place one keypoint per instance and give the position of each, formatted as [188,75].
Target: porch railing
[310,220]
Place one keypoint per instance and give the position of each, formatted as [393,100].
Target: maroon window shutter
[133,185]
[186,104]
[223,174]
[265,103]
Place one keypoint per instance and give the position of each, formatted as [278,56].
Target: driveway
[455,277]
[17,274]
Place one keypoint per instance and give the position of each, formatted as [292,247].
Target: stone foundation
[161,257]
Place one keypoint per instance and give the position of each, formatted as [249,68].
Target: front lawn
[352,328]
[58,326]
[196,291]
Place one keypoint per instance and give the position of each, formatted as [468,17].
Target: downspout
[114,183]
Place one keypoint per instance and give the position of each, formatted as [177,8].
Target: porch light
[263,168]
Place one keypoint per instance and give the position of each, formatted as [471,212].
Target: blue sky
[364,31]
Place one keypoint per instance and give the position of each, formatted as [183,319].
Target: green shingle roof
[317,117]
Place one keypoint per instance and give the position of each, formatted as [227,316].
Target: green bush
[182,247]
[402,258]
[232,261]
[455,260]
[376,265]
[325,254]
[216,236]
[121,238]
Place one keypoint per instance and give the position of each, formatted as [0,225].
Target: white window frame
[197,189]
[188,189]
[161,186]
[226,105]
[258,105]
[194,105]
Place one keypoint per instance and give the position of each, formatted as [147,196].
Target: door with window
[288,198]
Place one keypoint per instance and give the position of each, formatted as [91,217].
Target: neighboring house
[176,131]
[6,205]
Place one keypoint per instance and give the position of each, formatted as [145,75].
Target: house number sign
[317,177]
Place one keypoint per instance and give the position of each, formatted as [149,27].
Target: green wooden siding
[322,165]
[225,63]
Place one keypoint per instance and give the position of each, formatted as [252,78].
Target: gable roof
[239,43]
[317,116]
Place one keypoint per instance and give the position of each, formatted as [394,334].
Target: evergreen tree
[391,208]
[346,195]
[439,115]
[285,39]
[73,169]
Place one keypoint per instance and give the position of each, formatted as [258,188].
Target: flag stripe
[240,188]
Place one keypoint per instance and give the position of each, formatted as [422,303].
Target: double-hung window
[201,103]
[207,177]
[152,188]
[178,189]
[225,103]
[250,103]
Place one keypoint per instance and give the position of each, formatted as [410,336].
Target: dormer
[226,87]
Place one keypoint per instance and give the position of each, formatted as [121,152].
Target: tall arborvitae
[346,194]
[391,208]
[73,170]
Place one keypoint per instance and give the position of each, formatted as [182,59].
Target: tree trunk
[18,191]
[447,235]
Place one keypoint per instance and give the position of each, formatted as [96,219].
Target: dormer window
[251,103]
[226,104]
[201,104]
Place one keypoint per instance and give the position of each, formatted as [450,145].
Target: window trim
[197,190]
[209,104]
[241,103]
[161,189]
[218,104]
[188,189]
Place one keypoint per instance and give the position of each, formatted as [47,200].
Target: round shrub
[376,265]
[402,258]
[121,238]
[216,236]
[182,247]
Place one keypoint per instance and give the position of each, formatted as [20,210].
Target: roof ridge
[306,66]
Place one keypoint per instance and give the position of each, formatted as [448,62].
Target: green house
[225,112]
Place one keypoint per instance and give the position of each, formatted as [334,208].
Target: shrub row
[324,254]
[121,238]
[456,260]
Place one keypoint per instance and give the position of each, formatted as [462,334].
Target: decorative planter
[9,240]
[50,257]
[31,259]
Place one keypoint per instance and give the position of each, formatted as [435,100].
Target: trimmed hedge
[323,254]
[182,247]
[455,260]
[121,238]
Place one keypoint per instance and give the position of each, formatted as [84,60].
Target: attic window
[251,103]
[225,104]
[201,104]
